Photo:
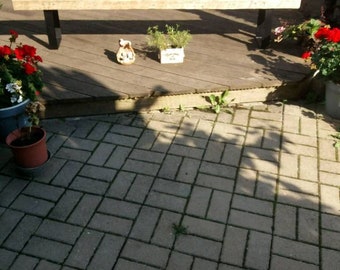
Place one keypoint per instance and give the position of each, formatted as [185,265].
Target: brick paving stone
[99,131]
[99,173]
[128,265]
[23,262]
[254,137]
[282,263]
[309,168]
[328,150]
[170,167]
[258,253]
[272,140]
[330,222]
[22,233]
[264,123]
[308,226]
[111,224]
[240,117]
[146,140]
[149,156]
[55,142]
[141,167]
[203,129]
[119,208]
[228,133]
[188,126]
[83,127]
[163,234]
[126,130]
[285,221]
[163,142]
[32,205]
[197,246]
[118,157]
[43,191]
[188,170]
[45,265]
[234,245]
[308,126]
[301,186]
[6,258]
[140,188]
[122,140]
[299,139]
[228,267]
[47,249]
[329,166]
[73,154]
[266,115]
[146,253]
[219,206]
[295,199]
[121,185]
[215,182]
[250,221]
[218,169]
[300,149]
[179,261]
[296,250]
[200,264]
[330,259]
[204,228]
[252,205]
[329,179]
[186,151]
[67,173]
[84,249]
[162,126]
[145,224]
[259,165]
[166,201]
[172,187]
[81,144]
[214,152]
[8,221]
[231,155]
[84,210]
[65,205]
[51,169]
[190,141]
[263,154]
[289,165]
[330,199]
[331,239]
[58,231]
[11,191]
[266,186]
[246,182]
[101,154]
[88,185]
[199,201]
[107,253]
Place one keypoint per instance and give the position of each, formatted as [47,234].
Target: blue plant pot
[12,118]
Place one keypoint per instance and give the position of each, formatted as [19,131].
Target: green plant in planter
[172,37]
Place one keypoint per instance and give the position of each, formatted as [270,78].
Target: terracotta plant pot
[28,151]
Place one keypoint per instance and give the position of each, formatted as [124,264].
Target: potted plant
[28,144]
[169,43]
[324,56]
[20,83]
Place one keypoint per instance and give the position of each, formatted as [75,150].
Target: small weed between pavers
[336,138]
[220,103]
[165,109]
[179,229]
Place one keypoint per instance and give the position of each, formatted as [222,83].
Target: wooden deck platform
[83,76]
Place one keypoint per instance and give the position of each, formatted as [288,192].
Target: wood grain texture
[152,4]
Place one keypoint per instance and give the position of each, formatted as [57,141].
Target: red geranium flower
[334,35]
[5,50]
[29,69]
[323,32]
[306,55]
[29,50]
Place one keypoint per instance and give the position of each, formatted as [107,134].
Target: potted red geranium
[20,83]
[324,57]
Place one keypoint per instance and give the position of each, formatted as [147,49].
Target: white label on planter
[171,56]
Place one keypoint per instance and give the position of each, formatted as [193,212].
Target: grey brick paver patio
[258,189]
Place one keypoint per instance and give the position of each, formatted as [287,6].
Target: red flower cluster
[330,34]
[24,53]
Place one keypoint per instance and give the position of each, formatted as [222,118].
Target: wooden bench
[51,7]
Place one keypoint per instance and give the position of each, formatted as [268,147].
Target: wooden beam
[153,4]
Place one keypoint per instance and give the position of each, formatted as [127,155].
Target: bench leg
[53,28]
[264,28]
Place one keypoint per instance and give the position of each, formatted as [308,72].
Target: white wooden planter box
[172,56]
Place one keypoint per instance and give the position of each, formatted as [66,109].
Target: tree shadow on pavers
[235,192]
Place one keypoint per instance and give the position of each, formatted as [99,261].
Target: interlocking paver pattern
[256,189]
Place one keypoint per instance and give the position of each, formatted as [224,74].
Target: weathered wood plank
[153,4]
